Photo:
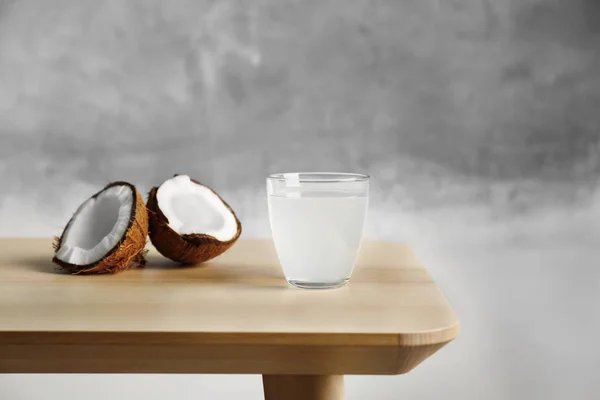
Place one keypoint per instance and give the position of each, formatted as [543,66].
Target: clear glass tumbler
[317,221]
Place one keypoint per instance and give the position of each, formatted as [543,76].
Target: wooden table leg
[303,387]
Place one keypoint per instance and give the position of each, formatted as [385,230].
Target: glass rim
[319,177]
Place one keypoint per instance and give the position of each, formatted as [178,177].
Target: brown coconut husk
[128,253]
[189,248]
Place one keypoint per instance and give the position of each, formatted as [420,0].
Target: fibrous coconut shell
[127,253]
[185,248]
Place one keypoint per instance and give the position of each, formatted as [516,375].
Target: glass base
[318,285]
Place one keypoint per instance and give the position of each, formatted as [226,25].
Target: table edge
[30,337]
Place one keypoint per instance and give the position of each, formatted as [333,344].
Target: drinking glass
[317,220]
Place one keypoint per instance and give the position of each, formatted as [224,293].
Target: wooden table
[235,315]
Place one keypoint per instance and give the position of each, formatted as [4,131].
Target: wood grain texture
[303,387]
[236,314]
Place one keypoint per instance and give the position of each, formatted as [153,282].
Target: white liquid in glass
[317,233]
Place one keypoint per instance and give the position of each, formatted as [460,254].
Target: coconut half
[107,233]
[189,222]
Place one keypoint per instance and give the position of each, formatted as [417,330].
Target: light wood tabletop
[235,314]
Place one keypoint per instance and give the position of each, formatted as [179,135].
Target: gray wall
[479,121]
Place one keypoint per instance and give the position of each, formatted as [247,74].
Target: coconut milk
[317,234]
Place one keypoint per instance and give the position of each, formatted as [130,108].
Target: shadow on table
[158,262]
[211,272]
[40,264]
[161,269]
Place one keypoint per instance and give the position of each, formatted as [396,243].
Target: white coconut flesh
[97,226]
[191,208]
